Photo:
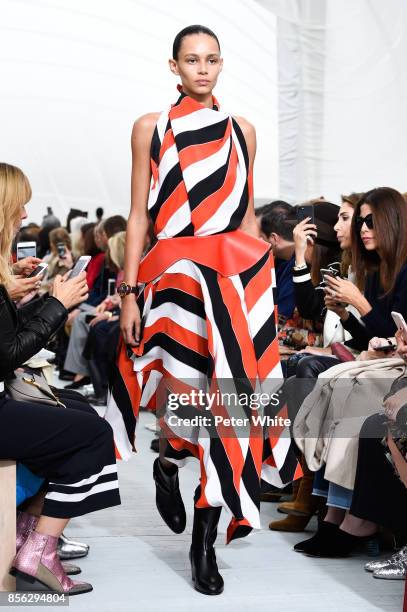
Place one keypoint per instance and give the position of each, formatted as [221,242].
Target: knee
[310,367]
[374,427]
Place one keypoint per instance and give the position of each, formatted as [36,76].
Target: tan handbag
[31,387]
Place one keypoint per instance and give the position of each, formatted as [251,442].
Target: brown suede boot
[290,523]
[305,503]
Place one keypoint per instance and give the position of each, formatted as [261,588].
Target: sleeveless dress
[209,321]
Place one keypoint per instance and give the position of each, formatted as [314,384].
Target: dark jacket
[378,322]
[25,331]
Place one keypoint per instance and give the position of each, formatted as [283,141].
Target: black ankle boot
[168,497]
[313,544]
[205,574]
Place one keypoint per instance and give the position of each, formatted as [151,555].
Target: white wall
[342,95]
[76,73]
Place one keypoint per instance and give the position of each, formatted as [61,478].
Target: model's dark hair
[389,211]
[192,29]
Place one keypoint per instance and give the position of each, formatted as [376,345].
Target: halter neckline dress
[208,315]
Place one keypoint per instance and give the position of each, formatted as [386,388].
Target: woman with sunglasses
[379,258]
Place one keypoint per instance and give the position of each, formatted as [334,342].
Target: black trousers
[72,448]
[379,495]
[296,388]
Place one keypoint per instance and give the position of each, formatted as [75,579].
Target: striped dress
[208,319]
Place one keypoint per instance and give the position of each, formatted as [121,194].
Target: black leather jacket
[25,331]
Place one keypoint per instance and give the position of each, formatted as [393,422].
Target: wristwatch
[125,289]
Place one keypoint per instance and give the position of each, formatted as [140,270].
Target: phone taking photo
[304,211]
[80,266]
[61,248]
[38,270]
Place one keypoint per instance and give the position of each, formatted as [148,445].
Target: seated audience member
[298,332]
[93,246]
[74,361]
[104,331]
[275,230]
[380,267]
[76,235]
[59,259]
[311,300]
[64,446]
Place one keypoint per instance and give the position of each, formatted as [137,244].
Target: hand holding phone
[40,269]
[400,324]
[80,266]
[305,211]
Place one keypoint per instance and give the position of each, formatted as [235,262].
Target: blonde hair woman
[116,246]
[65,447]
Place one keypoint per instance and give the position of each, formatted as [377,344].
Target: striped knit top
[200,166]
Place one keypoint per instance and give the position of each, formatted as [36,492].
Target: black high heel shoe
[168,497]
[205,573]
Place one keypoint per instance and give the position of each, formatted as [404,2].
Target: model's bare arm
[137,226]
[249,223]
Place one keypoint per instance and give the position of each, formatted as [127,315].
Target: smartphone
[330,272]
[61,248]
[387,348]
[111,286]
[304,211]
[38,270]
[26,249]
[80,265]
[400,323]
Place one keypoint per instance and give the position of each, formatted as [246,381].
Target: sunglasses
[361,220]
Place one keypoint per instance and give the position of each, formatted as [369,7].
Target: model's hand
[303,234]
[72,291]
[130,321]
[25,266]
[19,287]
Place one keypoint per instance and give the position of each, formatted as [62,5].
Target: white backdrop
[342,95]
[76,73]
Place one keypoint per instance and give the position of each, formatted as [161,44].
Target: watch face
[122,290]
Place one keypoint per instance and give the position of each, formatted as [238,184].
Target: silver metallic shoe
[393,571]
[398,557]
[69,549]
[70,569]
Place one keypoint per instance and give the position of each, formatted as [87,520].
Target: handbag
[31,387]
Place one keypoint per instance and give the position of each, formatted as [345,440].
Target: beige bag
[31,387]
